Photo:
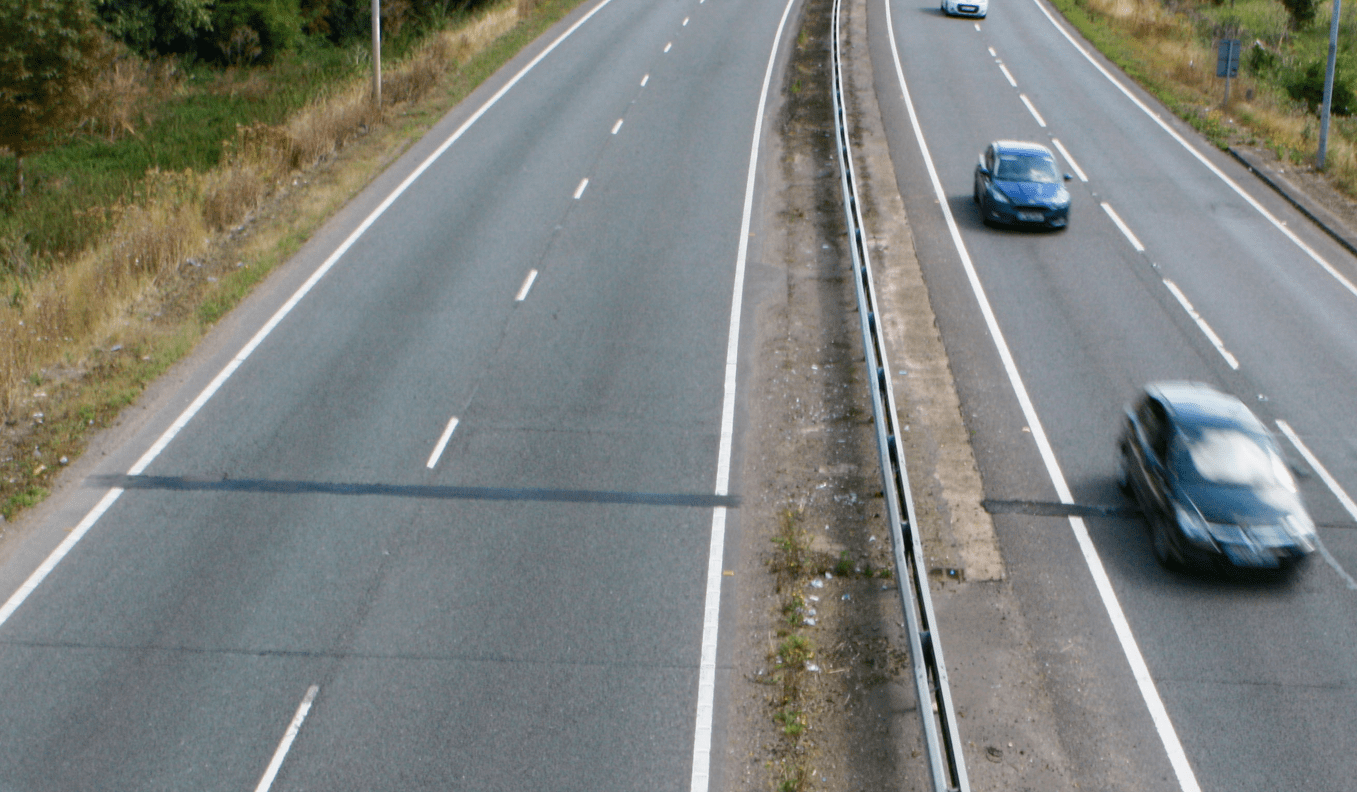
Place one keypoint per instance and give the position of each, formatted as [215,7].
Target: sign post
[1227,64]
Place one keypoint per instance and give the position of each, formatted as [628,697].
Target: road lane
[170,648]
[1251,676]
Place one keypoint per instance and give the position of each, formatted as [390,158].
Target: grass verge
[85,332]
[1170,50]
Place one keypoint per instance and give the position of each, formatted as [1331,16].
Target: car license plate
[968,9]
[1246,555]
[1031,217]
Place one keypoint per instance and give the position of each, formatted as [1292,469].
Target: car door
[1150,430]
[984,170]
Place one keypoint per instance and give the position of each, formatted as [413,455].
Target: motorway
[1177,265]
[442,505]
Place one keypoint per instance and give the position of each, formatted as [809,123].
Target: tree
[255,31]
[1302,12]
[47,49]
[156,27]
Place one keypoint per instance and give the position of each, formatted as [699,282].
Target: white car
[970,8]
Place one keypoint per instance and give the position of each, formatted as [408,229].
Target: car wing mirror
[1068,177]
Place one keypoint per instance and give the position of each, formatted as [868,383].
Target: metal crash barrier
[941,739]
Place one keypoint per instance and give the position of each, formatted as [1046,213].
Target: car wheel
[1163,549]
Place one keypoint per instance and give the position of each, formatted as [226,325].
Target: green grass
[73,188]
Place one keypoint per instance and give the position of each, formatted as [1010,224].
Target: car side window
[1155,421]
[989,158]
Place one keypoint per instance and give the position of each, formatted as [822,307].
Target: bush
[254,31]
[1307,86]
[1302,12]
[151,27]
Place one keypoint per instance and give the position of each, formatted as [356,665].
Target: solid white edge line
[1201,324]
[1168,736]
[1078,171]
[442,443]
[527,285]
[711,611]
[286,743]
[580,189]
[1008,76]
[1278,224]
[1031,108]
[617,126]
[1125,229]
[17,599]
[1334,487]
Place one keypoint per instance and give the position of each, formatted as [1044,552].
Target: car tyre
[1163,549]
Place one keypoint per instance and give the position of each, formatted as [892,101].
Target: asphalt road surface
[447,525]
[1177,265]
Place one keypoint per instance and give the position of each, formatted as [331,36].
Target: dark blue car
[1018,183]
[1211,481]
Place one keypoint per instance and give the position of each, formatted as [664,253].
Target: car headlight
[1302,528]
[1193,526]
[998,196]
[1062,196]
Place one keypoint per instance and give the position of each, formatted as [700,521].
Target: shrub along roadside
[82,340]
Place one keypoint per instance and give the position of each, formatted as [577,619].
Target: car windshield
[1014,167]
[1233,458]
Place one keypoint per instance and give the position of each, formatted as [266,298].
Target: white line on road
[1011,81]
[645,80]
[668,46]
[685,21]
[1201,323]
[1211,166]
[1032,109]
[286,744]
[711,609]
[1125,229]
[527,284]
[1334,487]
[442,443]
[1168,736]
[580,189]
[992,53]
[1078,171]
[617,126]
[17,598]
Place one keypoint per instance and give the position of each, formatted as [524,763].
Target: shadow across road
[272,486]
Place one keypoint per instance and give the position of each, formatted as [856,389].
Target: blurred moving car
[1017,183]
[1211,481]
[970,8]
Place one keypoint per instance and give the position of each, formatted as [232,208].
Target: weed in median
[793,778]
[794,609]
[795,651]
[789,562]
[793,721]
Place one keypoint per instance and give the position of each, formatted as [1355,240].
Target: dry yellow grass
[82,303]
